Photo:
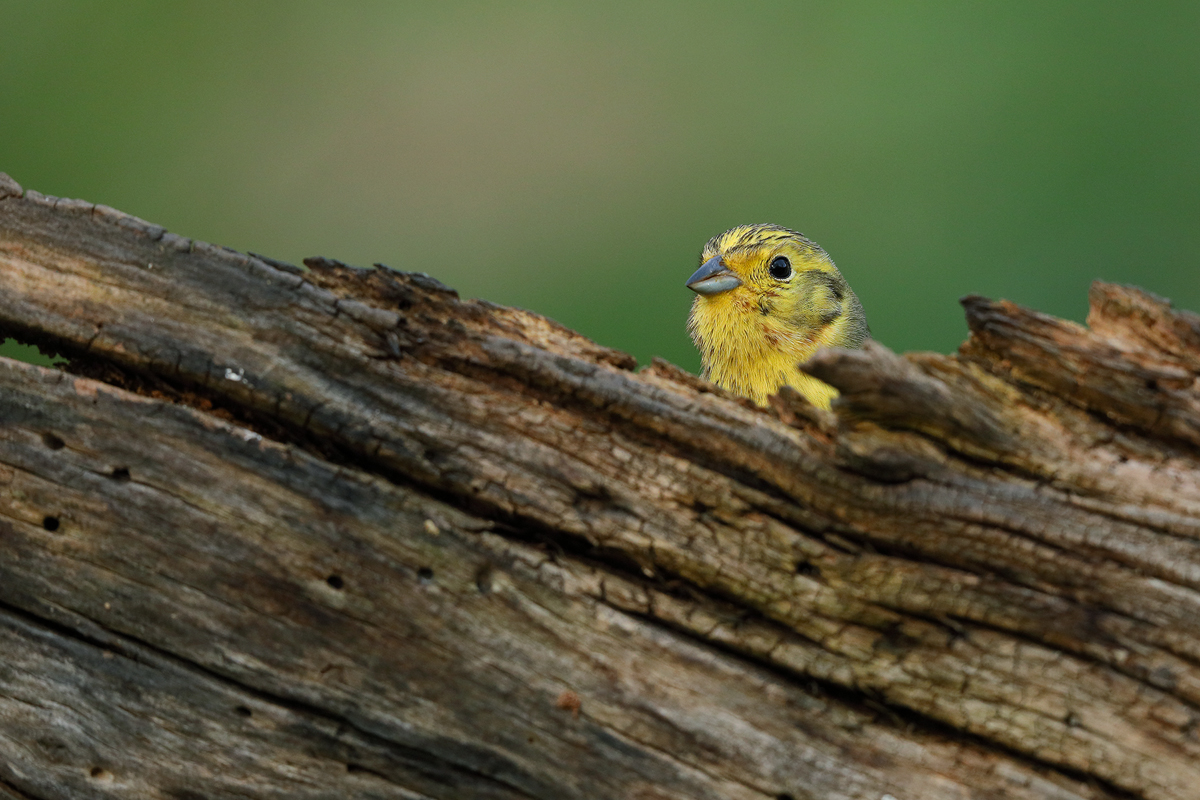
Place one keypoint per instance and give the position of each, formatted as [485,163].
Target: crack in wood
[425,761]
[943,496]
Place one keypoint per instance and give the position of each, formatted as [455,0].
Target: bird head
[772,272]
[767,298]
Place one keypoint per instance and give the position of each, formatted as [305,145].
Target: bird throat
[750,354]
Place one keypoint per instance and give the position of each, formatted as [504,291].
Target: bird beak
[713,278]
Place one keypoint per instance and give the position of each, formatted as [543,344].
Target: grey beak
[713,278]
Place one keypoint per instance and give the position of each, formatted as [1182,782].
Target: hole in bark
[242,711]
[52,441]
[592,493]
[99,773]
[483,578]
[425,575]
[1164,678]
[435,457]
[359,769]
[806,569]
[335,581]
[50,523]
[784,796]
[185,794]
[120,474]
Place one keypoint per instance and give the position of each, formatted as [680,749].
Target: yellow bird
[766,299]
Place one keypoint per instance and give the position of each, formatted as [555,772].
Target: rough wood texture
[339,533]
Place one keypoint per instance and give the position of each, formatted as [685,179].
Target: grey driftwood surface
[339,533]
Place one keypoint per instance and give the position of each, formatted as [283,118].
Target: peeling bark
[337,532]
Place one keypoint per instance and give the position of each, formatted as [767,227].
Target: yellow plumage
[766,299]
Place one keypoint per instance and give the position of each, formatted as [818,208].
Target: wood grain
[338,532]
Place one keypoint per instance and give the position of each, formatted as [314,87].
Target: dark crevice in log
[636,424]
[632,425]
[48,346]
[10,792]
[425,763]
[854,542]
[912,719]
[553,542]
[203,398]
[519,528]
[862,701]
[1143,520]
[1062,630]
[731,606]
[889,714]
[1076,649]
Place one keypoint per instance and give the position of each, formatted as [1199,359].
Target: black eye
[781,268]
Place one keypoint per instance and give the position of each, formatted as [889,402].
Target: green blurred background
[572,158]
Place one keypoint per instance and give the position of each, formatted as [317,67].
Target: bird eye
[781,268]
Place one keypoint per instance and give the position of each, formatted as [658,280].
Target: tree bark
[339,533]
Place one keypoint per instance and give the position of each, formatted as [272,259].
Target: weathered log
[337,532]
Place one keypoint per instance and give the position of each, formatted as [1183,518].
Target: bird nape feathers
[767,298]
